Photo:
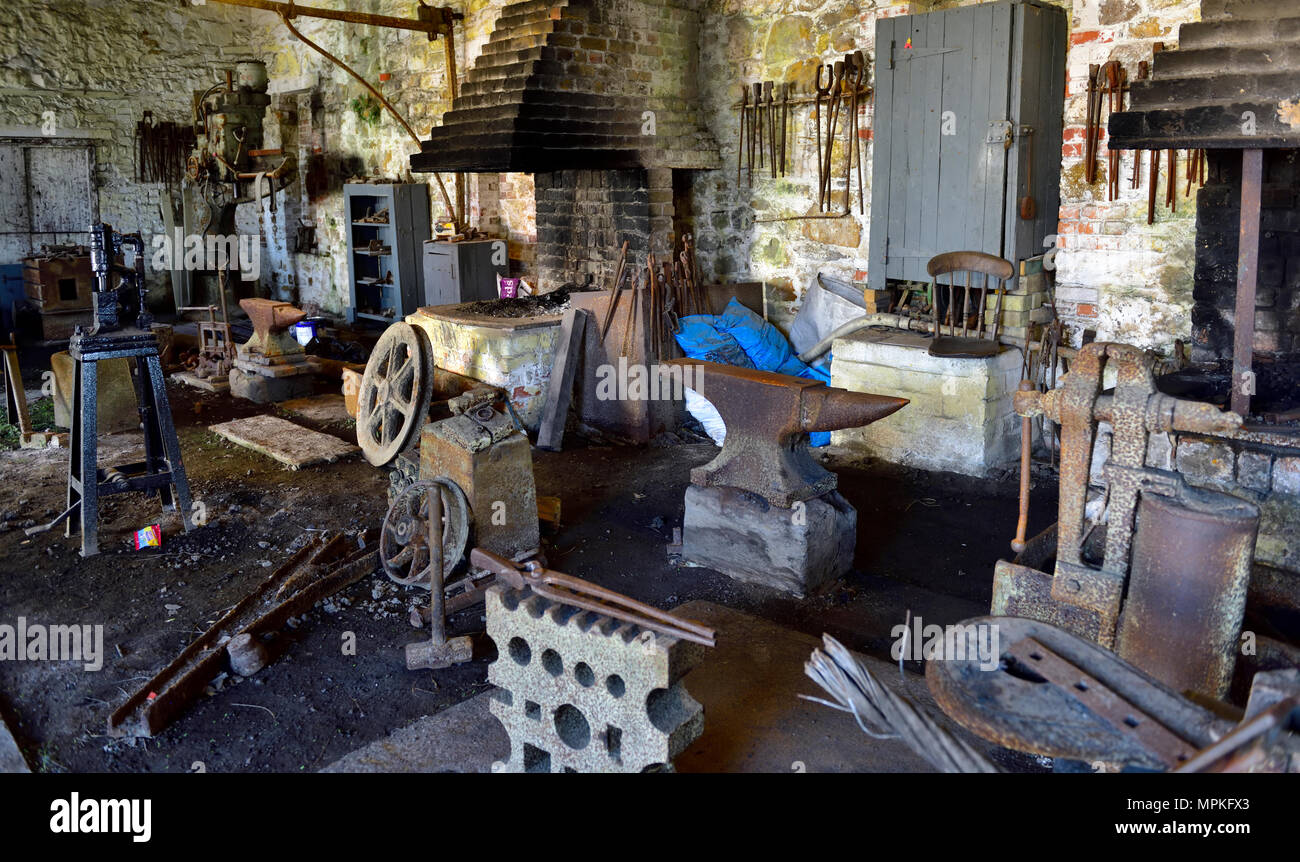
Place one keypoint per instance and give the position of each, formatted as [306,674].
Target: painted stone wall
[1116,275]
[98,65]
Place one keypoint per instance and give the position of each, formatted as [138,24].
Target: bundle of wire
[882,714]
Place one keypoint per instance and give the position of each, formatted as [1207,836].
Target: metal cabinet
[962,96]
[384,271]
[462,271]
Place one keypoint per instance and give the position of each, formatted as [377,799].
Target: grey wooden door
[47,195]
[954,92]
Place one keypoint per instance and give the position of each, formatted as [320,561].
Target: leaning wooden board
[290,444]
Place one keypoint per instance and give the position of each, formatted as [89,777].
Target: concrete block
[1203,462]
[115,408]
[1254,470]
[1286,476]
[743,536]
[955,420]
[580,692]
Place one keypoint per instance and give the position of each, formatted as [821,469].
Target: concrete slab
[754,720]
[326,409]
[290,444]
[462,738]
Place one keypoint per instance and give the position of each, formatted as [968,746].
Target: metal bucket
[1187,588]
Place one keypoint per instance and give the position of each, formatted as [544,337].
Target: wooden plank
[927,236]
[559,389]
[1023,58]
[954,152]
[881,153]
[996,188]
[292,445]
[61,191]
[900,136]
[982,49]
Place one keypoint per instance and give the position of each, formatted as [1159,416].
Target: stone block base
[959,417]
[265,390]
[742,535]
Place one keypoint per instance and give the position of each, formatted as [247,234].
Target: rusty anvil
[271,321]
[767,416]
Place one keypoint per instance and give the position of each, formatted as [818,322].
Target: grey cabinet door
[939,161]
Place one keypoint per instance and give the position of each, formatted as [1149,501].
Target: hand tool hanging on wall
[822,92]
[837,99]
[1151,187]
[1028,207]
[758,127]
[1171,191]
[1118,78]
[860,63]
[740,136]
[785,111]
[1091,125]
[771,127]
[1144,70]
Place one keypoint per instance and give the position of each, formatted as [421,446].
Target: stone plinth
[960,417]
[743,536]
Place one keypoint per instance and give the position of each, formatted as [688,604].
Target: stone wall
[98,66]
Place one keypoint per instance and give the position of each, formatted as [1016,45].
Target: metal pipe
[434,25]
[1243,336]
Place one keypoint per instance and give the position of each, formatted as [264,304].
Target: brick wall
[583,218]
[1115,274]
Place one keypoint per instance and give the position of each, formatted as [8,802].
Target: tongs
[569,590]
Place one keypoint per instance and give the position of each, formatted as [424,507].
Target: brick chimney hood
[1244,56]
[579,84]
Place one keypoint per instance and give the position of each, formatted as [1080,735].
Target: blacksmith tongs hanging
[569,590]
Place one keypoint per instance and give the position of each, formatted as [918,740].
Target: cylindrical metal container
[1187,588]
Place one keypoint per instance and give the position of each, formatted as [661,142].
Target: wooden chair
[978,340]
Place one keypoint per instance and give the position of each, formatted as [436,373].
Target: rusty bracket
[1092,693]
[568,590]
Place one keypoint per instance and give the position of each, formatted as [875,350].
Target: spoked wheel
[395,391]
[405,540]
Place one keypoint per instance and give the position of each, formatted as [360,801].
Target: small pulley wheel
[405,540]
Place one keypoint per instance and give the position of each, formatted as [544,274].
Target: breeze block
[581,692]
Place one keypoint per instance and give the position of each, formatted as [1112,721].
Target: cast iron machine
[229,165]
[1162,577]
[121,329]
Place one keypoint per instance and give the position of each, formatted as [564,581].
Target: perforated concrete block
[580,692]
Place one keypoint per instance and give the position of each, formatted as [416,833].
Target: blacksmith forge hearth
[599,101]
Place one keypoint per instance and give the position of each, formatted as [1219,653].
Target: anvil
[271,321]
[767,417]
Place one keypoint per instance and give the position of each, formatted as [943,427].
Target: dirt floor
[926,543]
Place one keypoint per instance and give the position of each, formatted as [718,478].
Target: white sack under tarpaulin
[826,306]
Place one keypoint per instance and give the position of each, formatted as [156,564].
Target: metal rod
[1243,336]
[437,598]
[433,26]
